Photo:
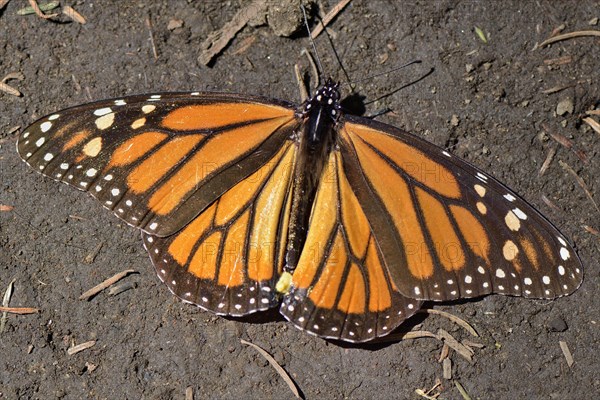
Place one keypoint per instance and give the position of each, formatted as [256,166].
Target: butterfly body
[346,224]
[315,140]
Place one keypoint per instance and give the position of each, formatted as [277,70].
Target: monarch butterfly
[345,223]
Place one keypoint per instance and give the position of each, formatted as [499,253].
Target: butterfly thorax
[319,115]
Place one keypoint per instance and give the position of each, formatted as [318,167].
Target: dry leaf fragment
[74,15]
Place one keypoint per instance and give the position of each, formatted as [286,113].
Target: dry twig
[452,318]
[566,143]
[217,40]
[571,35]
[284,375]
[580,181]
[19,310]
[92,256]
[98,288]
[591,230]
[548,160]
[455,345]
[149,26]
[462,390]
[592,123]
[427,394]
[566,353]
[549,203]
[327,18]
[9,89]
[80,347]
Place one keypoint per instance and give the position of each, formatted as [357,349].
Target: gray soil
[485,102]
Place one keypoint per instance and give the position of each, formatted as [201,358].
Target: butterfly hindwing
[157,161]
[229,258]
[341,288]
[448,230]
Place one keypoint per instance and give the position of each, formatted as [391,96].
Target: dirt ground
[485,102]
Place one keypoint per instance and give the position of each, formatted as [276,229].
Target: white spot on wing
[480,190]
[93,147]
[564,253]
[105,121]
[512,221]
[45,126]
[148,108]
[91,172]
[509,197]
[520,214]
[138,123]
[102,111]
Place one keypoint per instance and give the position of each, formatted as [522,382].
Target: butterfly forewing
[448,230]
[157,161]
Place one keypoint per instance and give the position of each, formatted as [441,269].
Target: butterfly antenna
[312,42]
[389,72]
[337,56]
[425,75]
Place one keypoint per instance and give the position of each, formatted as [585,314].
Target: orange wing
[447,230]
[229,258]
[341,288]
[157,161]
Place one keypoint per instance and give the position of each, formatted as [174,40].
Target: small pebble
[557,325]
[565,106]
[454,121]
[174,24]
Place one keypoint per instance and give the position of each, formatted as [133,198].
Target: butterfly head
[326,98]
